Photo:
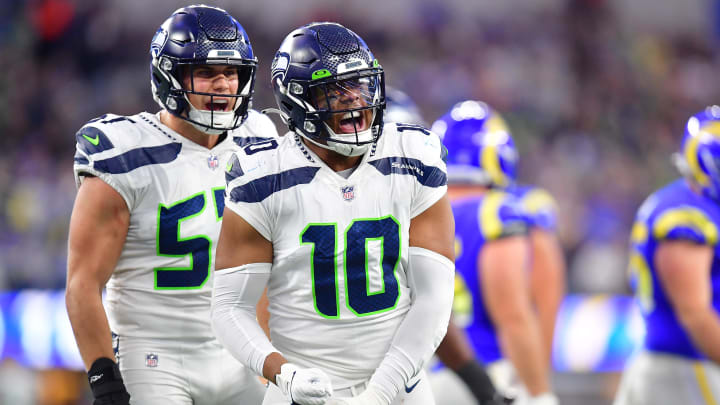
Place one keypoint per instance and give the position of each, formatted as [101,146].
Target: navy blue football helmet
[201,35]
[401,108]
[324,72]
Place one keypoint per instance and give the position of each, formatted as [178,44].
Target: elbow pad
[431,278]
[236,292]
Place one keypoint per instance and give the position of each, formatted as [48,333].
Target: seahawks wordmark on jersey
[338,288]
[174,189]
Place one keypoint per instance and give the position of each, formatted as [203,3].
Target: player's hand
[368,397]
[107,384]
[304,386]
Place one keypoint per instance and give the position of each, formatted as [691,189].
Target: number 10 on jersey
[324,266]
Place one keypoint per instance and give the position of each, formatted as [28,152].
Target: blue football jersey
[480,220]
[674,212]
[537,204]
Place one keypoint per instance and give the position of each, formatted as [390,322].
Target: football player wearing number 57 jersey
[347,223]
[675,272]
[147,218]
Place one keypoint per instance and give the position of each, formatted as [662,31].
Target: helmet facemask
[341,113]
[223,111]
[348,109]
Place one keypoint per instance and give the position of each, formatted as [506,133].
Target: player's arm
[263,313]
[243,262]
[507,296]
[98,227]
[684,271]
[243,259]
[547,282]
[431,275]
[457,354]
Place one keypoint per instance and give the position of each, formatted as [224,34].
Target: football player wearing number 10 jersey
[147,218]
[348,225]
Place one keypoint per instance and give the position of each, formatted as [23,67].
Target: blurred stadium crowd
[596,93]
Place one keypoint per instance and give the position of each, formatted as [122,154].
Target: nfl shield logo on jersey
[151,360]
[348,193]
[213,162]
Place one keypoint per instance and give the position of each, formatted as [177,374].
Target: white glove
[547,398]
[370,396]
[304,386]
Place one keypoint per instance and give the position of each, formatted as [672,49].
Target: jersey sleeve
[685,223]
[540,208]
[426,152]
[107,148]
[246,195]
[501,216]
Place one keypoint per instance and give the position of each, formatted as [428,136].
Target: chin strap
[342,148]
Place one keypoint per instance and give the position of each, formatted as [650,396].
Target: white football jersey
[174,189]
[338,288]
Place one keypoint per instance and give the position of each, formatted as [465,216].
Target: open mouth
[352,121]
[217,105]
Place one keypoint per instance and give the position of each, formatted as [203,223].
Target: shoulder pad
[116,144]
[540,207]
[501,216]
[259,125]
[685,223]
[91,140]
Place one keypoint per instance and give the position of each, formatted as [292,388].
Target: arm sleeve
[431,279]
[236,292]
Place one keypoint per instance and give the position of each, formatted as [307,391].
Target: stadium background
[596,93]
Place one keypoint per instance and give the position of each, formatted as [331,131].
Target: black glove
[106,383]
[477,380]
[498,400]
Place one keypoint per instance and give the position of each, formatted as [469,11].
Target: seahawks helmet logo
[280,65]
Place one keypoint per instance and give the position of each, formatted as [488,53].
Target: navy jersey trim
[429,176]
[233,170]
[243,141]
[136,158]
[80,159]
[92,140]
[262,188]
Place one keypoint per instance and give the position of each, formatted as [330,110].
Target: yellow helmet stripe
[491,164]
[691,157]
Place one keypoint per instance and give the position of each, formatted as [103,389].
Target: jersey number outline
[199,247]
[358,297]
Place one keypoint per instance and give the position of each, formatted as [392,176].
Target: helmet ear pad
[319,56]
[201,35]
